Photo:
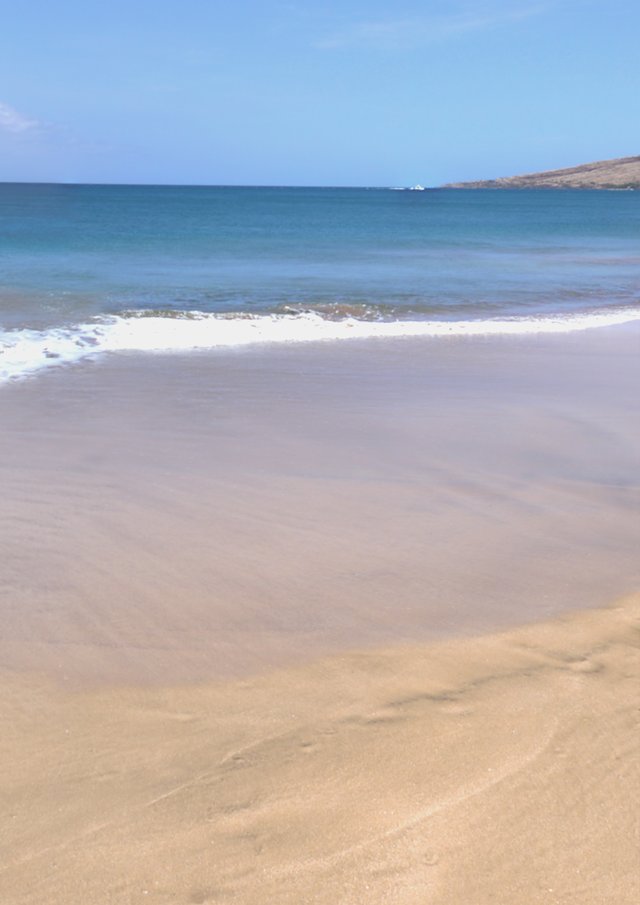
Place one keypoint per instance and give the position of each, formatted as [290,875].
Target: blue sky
[303,93]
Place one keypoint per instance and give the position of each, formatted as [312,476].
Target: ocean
[88,270]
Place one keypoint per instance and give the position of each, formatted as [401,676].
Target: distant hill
[622,173]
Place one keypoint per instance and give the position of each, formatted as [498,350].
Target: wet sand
[249,607]
[176,518]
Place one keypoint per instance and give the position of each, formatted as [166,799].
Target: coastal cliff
[621,173]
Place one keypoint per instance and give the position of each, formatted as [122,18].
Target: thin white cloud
[401,33]
[13,121]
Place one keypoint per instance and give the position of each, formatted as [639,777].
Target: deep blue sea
[92,269]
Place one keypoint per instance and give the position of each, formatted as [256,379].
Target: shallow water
[282,264]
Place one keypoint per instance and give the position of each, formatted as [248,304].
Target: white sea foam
[25,352]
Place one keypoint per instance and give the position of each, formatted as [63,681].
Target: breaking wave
[25,352]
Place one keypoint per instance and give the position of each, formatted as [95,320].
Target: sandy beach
[349,624]
[502,768]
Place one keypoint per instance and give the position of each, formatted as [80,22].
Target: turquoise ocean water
[86,270]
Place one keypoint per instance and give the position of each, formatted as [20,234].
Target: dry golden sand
[502,769]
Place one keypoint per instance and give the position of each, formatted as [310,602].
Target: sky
[259,92]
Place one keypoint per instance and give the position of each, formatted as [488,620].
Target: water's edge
[26,352]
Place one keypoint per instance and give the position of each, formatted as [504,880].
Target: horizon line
[217,185]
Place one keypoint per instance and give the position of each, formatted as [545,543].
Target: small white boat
[417,188]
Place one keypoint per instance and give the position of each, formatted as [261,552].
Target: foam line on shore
[25,352]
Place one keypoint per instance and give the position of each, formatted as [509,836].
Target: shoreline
[26,352]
